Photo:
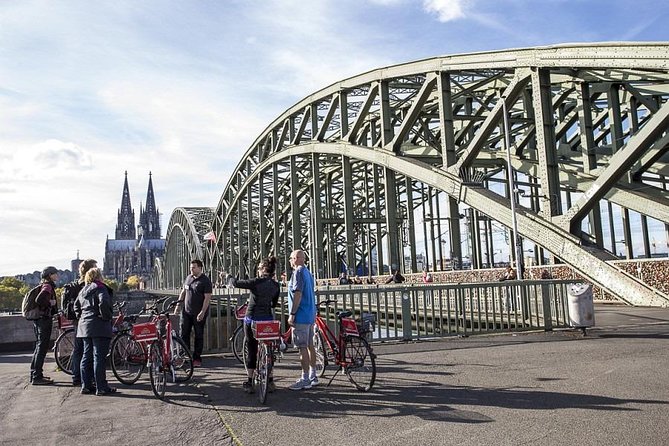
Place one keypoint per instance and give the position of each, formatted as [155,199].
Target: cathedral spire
[125,226]
[149,218]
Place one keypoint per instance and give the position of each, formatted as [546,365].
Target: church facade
[134,249]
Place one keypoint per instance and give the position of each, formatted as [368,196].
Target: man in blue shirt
[302,307]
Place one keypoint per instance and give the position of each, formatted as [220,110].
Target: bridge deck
[531,388]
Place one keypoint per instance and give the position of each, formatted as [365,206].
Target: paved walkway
[555,388]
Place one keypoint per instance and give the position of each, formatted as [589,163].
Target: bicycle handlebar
[327,302]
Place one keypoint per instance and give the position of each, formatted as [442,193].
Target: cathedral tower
[149,217]
[125,226]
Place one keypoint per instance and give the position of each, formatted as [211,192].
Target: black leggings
[252,345]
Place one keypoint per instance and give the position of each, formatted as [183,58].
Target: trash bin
[581,307]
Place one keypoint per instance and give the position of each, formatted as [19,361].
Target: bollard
[546,304]
[406,316]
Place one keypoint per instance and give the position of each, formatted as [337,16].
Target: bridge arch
[406,166]
[184,242]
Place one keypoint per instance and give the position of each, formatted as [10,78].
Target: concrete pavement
[554,388]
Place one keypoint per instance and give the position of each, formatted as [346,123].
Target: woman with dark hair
[264,296]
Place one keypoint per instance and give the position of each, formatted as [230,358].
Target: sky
[90,89]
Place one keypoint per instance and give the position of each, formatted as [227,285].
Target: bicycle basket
[349,326]
[63,322]
[145,332]
[367,323]
[240,312]
[266,330]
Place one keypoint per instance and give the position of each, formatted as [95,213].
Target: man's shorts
[303,335]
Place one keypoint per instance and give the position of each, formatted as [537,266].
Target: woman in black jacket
[264,296]
[94,312]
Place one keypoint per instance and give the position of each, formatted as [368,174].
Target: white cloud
[446,10]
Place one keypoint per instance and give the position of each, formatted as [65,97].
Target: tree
[111,283]
[12,291]
[133,282]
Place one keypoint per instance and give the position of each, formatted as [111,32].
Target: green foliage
[111,283]
[123,287]
[11,293]
[12,282]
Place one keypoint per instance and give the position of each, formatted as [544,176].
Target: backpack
[29,307]
[70,293]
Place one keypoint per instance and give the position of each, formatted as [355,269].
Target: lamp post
[512,193]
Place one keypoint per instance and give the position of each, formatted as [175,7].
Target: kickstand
[333,377]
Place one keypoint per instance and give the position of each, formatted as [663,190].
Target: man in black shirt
[194,301]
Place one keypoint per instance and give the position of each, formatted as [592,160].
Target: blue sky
[182,88]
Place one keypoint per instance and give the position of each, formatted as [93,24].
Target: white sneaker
[314,381]
[301,384]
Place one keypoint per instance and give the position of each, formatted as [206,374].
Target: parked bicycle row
[258,342]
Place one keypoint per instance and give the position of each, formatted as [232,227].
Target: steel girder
[351,172]
[185,242]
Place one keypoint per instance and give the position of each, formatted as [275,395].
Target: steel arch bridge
[184,241]
[431,164]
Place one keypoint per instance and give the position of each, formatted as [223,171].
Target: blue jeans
[42,327]
[75,359]
[93,367]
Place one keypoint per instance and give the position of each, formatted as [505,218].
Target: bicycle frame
[165,334]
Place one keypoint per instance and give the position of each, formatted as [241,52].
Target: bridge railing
[418,311]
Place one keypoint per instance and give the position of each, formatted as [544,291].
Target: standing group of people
[93,320]
[93,309]
[302,315]
[92,328]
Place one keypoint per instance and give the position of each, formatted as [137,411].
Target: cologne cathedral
[134,250]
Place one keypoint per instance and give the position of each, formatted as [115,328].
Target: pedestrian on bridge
[94,311]
[302,307]
[46,301]
[194,302]
[264,297]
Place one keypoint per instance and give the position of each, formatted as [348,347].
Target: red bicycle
[350,351]
[238,338]
[268,334]
[153,344]
[65,341]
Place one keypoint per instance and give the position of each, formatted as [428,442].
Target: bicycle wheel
[321,353]
[63,351]
[262,371]
[237,343]
[157,371]
[182,360]
[360,364]
[127,359]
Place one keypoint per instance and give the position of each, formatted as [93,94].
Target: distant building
[74,266]
[34,278]
[134,251]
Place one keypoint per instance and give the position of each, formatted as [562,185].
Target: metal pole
[512,188]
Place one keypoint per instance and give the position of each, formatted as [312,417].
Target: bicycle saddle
[343,314]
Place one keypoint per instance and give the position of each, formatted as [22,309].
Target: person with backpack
[70,292]
[94,311]
[46,303]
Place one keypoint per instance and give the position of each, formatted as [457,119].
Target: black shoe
[76,383]
[107,391]
[87,391]
[44,381]
[248,386]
